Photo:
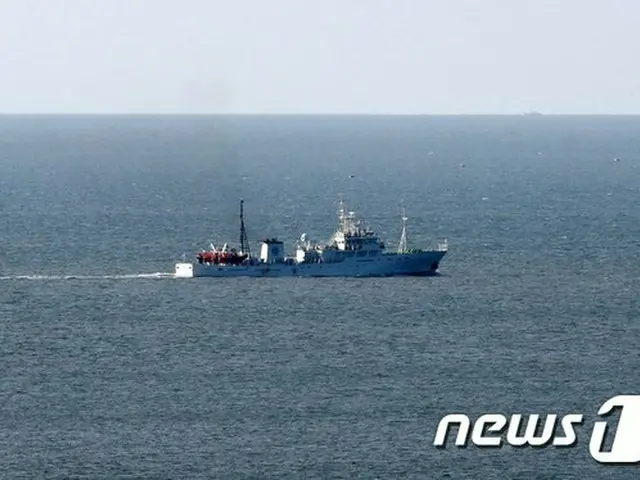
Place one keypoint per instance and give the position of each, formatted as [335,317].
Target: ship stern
[184,270]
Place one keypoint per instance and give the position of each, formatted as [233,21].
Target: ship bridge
[352,237]
[365,241]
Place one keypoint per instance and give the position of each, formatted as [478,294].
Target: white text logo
[488,431]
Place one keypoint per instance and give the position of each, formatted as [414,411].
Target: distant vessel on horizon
[353,251]
[532,114]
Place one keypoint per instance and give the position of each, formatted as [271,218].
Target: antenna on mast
[244,243]
[403,245]
[342,216]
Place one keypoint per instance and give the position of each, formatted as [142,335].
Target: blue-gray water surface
[111,368]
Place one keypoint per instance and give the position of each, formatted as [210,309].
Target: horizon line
[310,114]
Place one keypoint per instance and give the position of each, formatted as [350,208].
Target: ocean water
[111,368]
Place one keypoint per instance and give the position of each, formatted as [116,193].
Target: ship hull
[387,265]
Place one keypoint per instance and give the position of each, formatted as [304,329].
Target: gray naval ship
[353,251]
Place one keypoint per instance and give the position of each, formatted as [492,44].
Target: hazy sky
[322,56]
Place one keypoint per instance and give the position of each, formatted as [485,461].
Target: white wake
[156,275]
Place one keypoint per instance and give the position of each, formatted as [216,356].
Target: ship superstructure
[352,251]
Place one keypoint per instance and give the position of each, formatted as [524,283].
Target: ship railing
[443,245]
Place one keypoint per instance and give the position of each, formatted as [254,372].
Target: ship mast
[244,243]
[403,245]
[342,218]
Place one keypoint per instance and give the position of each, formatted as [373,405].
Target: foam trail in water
[89,277]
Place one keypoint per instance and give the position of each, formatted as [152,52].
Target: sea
[112,368]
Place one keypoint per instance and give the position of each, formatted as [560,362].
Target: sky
[318,57]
